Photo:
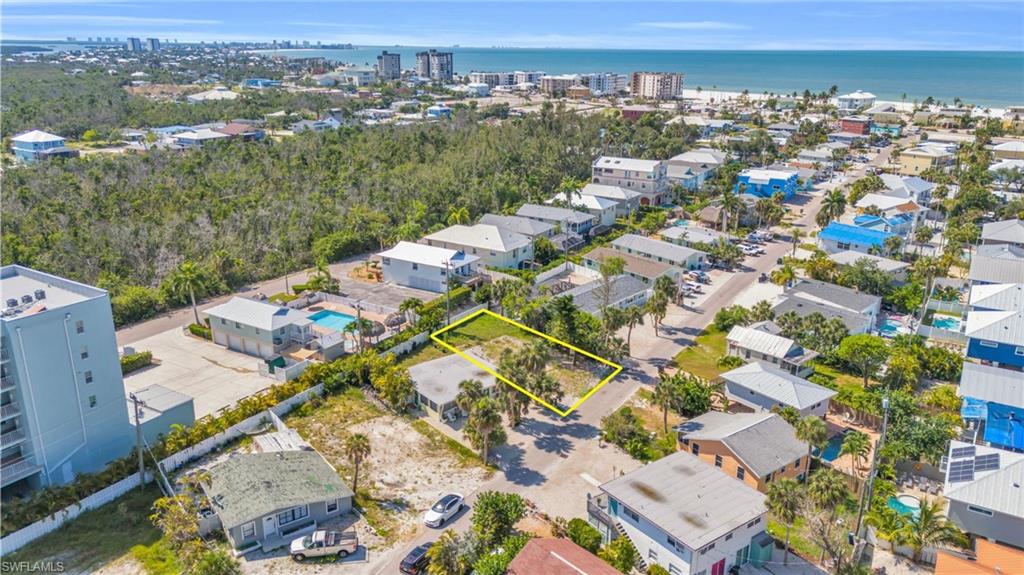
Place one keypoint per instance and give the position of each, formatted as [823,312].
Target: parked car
[752,249]
[693,286]
[445,508]
[416,561]
[765,235]
[322,543]
[754,238]
[699,276]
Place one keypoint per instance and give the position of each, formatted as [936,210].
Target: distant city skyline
[729,25]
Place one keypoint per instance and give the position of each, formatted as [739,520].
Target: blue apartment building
[765,183]
[37,145]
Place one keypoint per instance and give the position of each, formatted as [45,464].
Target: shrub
[728,317]
[200,331]
[135,303]
[584,534]
[134,361]
[729,362]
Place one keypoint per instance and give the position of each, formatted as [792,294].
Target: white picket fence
[26,535]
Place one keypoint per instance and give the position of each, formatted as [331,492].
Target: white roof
[934,151]
[764,175]
[760,341]
[701,156]
[428,255]
[1011,146]
[998,326]
[481,236]
[612,192]
[589,202]
[219,93]
[778,385]
[1004,297]
[994,489]
[257,314]
[201,134]
[858,95]
[37,136]
[1009,231]
[991,383]
[651,248]
[850,257]
[882,201]
[631,164]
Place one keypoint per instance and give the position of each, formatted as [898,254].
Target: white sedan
[445,508]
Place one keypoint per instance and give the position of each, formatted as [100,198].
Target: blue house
[764,183]
[837,237]
[38,145]
[996,337]
[260,83]
[900,224]
[993,404]
[439,111]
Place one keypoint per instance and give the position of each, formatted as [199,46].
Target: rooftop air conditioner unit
[40,294]
[26,299]
[12,302]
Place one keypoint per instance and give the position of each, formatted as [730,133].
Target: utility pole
[865,496]
[359,323]
[137,407]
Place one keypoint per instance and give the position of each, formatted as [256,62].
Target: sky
[681,25]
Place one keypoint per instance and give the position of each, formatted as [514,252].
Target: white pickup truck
[322,543]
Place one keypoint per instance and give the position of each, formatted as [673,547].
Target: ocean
[983,78]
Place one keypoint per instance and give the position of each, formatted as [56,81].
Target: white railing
[940,334]
[8,439]
[26,535]
[953,307]
[365,305]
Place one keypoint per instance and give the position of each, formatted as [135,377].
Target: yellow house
[916,160]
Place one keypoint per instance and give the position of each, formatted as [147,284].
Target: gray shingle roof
[837,296]
[589,297]
[990,383]
[854,322]
[764,442]
[611,192]
[251,485]
[850,257]
[553,214]
[518,224]
[654,249]
[687,498]
[438,379]
[778,385]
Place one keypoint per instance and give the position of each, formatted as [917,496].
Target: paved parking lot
[385,294]
[214,376]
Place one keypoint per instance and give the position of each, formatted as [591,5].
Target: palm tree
[827,490]
[784,276]
[321,278]
[666,286]
[856,444]
[457,216]
[470,391]
[832,207]
[795,235]
[484,420]
[730,203]
[634,316]
[657,307]
[446,555]
[813,431]
[413,305]
[357,449]
[784,498]
[927,528]
[188,279]
[664,395]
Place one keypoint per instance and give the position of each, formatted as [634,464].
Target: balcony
[6,382]
[4,354]
[9,410]
[12,438]
[16,470]
[597,507]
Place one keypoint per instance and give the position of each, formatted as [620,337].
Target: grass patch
[837,377]
[100,536]
[282,297]
[464,455]
[381,519]
[157,559]
[701,358]
[798,541]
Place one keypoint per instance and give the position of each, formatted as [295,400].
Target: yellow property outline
[616,368]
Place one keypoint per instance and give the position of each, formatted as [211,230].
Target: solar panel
[987,462]
[960,452]
[961,475]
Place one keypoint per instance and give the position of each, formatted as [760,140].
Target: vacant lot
[701,358]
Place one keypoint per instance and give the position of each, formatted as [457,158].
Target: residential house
[439,111]
[837,237]
[756,448]
[811,157]
[659,251]
[496,247]
[602,209]
[707,527]
[892,214]
[997,263]
[1012,150]
[264,500]
[62,398]
[709,127]
[916,160]
[996,337]
[260,83]
[691,169]
[996,297]
[258,328]
[359,76]
[857,310]
[860,125]
[426,267]
[623,291]
[241,130]
[37,145]
[532,229]
[1003,232]
[895,269]
[986,559]
[437,382]
[633,113]
[692,236]
[218,93]
[763,341]
[884,114]
[552,556]
[643,269]
[991,396]
[910,187]
[199,138]
[328,123]
[855,101]
[648,177]
[627,200]
[765,183]
[983,488]
[849,138]
[572,221]
[762,387]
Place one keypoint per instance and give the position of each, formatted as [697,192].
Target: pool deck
[836,424]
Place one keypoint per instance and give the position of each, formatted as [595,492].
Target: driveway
[214,376]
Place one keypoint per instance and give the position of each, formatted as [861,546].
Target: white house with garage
[497,247]
[426,267]
[257,328]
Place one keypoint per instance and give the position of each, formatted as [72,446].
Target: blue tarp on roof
[865,219]
[973,409]
[1005,426]
[853,234]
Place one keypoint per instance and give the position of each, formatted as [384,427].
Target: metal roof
[850,257]
[438,379]
[654,249]
[631,164]
[612,192]
[553,214]
[760,341]
[37,136]
[518,224]
[257,314]
[997,489]
[481,236]
[428,255]
[1006,297]
[997,263]
[763,441]
[687,498]
[778,385]
[990,383]
[1000,326]
[1008,231]
[708,156]
[249,486]
[584,201]
[838,232]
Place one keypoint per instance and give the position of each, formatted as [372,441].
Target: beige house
[916,160]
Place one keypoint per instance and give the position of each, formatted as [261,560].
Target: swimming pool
[682,223]
[905,504]
[947,322]
[332,319]
[831,452]
[889,327]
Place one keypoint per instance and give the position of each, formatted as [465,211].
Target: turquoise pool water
[682,223]
[904,504]
[889,328]
[332,319]
[947,322]
[831,452]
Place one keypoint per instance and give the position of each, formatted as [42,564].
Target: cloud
[102,20]
[694,25]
